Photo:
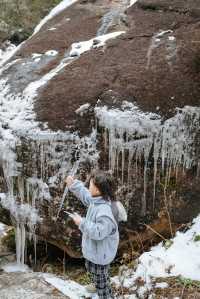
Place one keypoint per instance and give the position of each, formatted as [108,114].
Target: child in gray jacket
[100,236]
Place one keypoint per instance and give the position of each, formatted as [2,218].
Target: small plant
[197,238]
[168,244]
[189,283]
[84,278]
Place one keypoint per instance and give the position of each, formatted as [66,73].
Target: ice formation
[133,135]
[51,155]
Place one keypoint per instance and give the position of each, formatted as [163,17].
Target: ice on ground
[55,11]
[14,267]
[68,287]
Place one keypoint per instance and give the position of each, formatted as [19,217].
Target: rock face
[26,285]
[151,68]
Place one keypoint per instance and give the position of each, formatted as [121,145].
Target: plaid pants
[101,279]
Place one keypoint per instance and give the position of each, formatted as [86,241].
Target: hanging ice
[135,134]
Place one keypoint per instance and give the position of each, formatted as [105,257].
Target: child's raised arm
[79,190]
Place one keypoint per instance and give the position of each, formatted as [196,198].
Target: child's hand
[77,219]
[69,180]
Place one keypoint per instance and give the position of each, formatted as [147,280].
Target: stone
[154,64]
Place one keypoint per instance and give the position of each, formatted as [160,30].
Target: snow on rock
[76,50]
[68,287]
[132,2]
[82,109]
[55,11]
[15,267]
[81,47]
[51,53]
[26,285]
[6,54]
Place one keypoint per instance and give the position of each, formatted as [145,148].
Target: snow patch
[51,53]
[81,47]
[68,287]
[132,2]
[14,267]
[82,109]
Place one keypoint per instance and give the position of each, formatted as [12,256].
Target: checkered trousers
[101,279]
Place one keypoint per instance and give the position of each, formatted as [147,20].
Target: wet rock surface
[26,285]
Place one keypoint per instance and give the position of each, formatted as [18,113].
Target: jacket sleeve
[81,192]
[99,230]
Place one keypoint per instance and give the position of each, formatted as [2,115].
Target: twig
[148,226]
[183,290]
[167,210]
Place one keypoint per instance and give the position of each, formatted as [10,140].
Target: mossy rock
[22,16]
[9,240]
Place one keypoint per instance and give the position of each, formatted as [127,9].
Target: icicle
[18,243]
[35,248]
[42,160]
[23,241]
[123,161]
[20,181]
[156,153]
[72,173]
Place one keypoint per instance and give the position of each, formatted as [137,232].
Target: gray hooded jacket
[100,237]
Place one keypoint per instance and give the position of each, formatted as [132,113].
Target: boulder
[141,76]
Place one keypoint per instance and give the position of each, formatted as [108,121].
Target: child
[100,236]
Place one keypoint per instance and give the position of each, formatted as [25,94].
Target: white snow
[55,11]
[51,53]
[82,109]
[36,55]
[77,49]
[68,287]
[132,2]
[81,47]
[6,54]
[14,267]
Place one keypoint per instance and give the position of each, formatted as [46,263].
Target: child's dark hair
[105,183]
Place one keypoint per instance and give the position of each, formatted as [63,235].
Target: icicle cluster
[133,135]
[49,158]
